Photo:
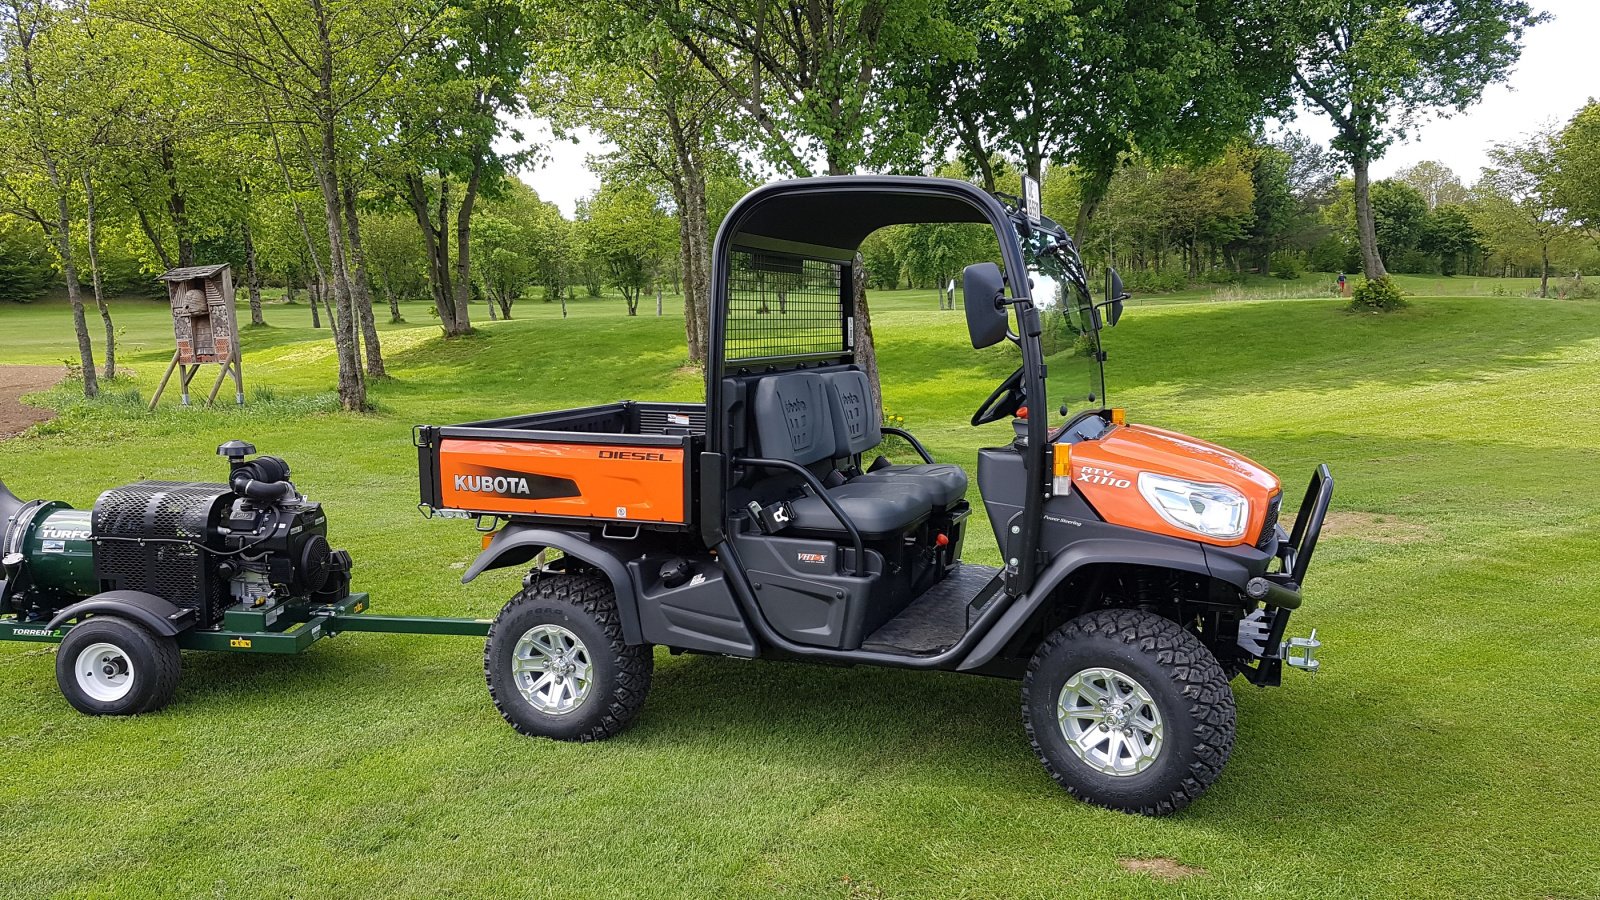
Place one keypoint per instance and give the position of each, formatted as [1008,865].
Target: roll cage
[822,221]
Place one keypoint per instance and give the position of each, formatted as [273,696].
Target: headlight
[1213,510]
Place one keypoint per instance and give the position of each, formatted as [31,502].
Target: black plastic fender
[160,616]
[516,544]
[1167,553]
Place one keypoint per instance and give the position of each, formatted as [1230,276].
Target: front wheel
[1129,711]
[109,666]
[557,663]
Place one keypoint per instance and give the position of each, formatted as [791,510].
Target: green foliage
[1376,295]
[25,269]
[1576,175]
[1140,281]
[628,235]
[1286,265]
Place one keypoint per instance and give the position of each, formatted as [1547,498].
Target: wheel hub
[1110,721]
[552,669]
[104,672]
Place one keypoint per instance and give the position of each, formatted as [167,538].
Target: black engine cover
[145,537]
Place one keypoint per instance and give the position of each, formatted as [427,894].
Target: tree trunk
[866,351]
[394,305]
[493,304]
[463,291]
[436,245]
[252,272]
[91,227]
[1366,226]
[361,296]
[155,241]
[177,205]
[352,386]
[1544,269]
[315,290]
[252,275]
[69,270]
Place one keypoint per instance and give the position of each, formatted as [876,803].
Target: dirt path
[15,417]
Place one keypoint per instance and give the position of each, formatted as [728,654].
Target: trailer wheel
[109,666]
[1129,711]
[557,663]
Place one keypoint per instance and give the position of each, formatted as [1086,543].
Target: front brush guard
[1261,634]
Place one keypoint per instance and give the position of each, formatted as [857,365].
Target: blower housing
[204,547]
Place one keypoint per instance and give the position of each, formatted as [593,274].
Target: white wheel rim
[1110,721]
[104,672]
[552,669]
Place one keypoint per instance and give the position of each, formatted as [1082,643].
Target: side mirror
[1114,296]
[983,293]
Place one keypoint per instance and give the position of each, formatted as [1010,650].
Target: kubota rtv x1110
[1142,569]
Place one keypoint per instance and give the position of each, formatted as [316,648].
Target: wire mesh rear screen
[784,306]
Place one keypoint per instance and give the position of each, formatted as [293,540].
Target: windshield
[1060,291]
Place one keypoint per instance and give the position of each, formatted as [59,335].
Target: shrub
[1376,295]
[1285,265]
[1137,282]
[1219,276]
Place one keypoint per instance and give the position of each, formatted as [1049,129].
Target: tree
[629,235]
[626,77]
[1449,235]
[502,260]
[1083,84]
[805,78]
[42,84]
[1376,68]
[1518,198]
[1438,185]
[320,66]
[25,271]
[455,138]
[1577,169]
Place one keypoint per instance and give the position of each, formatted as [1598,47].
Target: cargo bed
[621,462]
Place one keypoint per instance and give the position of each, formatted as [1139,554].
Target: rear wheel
[109,666]
[1129,711]
[557,663]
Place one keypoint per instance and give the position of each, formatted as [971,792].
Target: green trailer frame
[280,628]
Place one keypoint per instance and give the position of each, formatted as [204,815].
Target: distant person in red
[1342,286]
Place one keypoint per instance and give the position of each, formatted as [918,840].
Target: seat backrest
[794,418]
[857,427]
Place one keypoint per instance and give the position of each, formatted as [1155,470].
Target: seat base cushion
[942,483]
[874,508]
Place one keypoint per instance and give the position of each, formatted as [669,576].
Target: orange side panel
[600,481]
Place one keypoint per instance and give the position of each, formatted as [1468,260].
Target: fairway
[1447,749]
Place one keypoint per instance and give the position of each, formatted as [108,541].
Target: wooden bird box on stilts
[206,329]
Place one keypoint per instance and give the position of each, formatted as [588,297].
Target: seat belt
[771,519]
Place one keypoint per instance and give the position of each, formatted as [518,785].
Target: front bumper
[1261,634]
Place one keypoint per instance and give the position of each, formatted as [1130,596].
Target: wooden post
[164,378]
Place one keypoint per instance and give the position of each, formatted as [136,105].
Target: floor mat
[937,619]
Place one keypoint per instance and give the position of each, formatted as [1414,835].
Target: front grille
[1269,528]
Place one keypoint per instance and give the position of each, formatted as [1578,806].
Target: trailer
[157,567]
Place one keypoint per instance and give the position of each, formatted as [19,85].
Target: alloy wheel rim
[552,669]
[104,672]
[1110,721]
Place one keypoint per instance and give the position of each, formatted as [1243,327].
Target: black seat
[794,420]
[857,428]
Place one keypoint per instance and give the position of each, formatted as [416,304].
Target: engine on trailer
[251,542]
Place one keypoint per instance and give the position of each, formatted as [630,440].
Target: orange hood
[1106,471]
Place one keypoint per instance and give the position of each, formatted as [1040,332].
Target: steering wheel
[1005,401]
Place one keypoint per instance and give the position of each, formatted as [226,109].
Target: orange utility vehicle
[1142,570]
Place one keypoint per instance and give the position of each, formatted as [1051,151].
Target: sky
[1552,80]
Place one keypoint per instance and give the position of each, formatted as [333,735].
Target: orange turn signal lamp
[1119,416]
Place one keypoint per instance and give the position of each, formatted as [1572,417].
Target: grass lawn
[1447,750]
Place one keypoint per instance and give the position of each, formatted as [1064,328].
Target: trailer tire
[558,665]
[1163,732]
[111,666]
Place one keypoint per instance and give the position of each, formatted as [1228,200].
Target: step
[935,621]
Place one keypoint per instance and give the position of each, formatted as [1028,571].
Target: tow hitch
[1301,653]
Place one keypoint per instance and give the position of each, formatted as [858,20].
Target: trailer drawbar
[162,566]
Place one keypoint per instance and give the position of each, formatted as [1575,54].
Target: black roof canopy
[830,217]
